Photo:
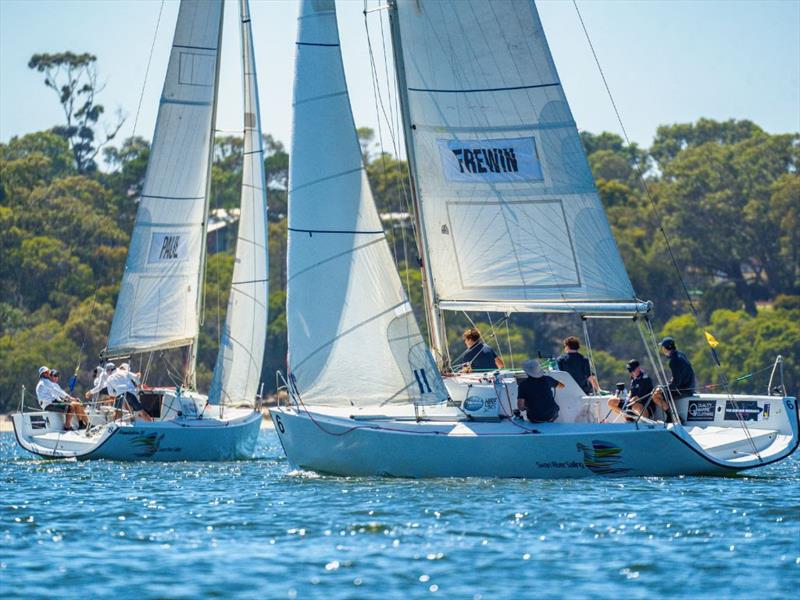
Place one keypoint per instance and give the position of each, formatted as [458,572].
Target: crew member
[100,389]
[53,398]
[639,398]
[577,365]
[535,394]
[681,383]
[479,356]
[122,384]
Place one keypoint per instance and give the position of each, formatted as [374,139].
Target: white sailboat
[508,219]
[160,300]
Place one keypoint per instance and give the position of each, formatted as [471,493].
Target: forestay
[509,208]
[238,370]
[159,300]
[353,338]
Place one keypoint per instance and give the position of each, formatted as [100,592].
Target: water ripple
[260,529]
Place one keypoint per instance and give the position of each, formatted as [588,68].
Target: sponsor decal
[560,464]
[701,410]
[514,159]
[603,458]
[168,247]
[472,403]
[765,411]
[745,410]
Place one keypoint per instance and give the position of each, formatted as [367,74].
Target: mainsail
[241,352]
[353,338]
[510,215]
[159,299]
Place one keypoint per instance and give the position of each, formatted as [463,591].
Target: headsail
[241,352]
[159,299]
[510,213]
[353,338]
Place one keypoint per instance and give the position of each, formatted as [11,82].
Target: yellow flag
[711,340]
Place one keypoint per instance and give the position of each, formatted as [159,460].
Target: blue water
[258,529]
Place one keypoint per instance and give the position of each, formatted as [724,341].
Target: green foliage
[729,195]
[747,344]
[388,178]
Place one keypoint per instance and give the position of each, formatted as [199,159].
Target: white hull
[445,444]
[195,435]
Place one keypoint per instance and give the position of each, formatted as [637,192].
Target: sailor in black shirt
[682,381]
[536,394]
[577,365]
[478,356]
[639,398]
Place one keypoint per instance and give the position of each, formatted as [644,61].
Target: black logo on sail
[169,247]
[486,160]
[489,160]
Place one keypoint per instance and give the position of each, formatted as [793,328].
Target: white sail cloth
[159,299]
[353,338]
[509,207]
[241,353]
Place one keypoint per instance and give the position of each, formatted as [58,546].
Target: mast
[433,317]
[190,374]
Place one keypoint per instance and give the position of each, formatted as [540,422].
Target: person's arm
[499,362]
[100,385]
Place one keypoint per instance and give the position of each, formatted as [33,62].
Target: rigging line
[378,99]
[661,229]
[508,340]
[147,69]
[641,178]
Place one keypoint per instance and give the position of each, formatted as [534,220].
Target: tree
[31,160]
[670,140]
[74,78]
[388,178]
[715,198]
[366,135]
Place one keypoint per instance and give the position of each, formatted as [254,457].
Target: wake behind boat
[160,300]
[508,220]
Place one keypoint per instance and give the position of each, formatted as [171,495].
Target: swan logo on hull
[603,458]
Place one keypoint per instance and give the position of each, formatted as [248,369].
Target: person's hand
[467,368]
[87,395]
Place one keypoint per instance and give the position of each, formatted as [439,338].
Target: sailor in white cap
[53,398]
[535,394]
[100,389]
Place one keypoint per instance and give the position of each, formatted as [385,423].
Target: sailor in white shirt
[53,398]
[122,384]
[100,387]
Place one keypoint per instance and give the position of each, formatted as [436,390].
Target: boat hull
[339,445]
[175,440]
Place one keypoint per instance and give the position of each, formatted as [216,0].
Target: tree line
[726,194]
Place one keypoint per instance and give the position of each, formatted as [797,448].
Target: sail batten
[237,372]
[353,338]
[511,216]
[159,301]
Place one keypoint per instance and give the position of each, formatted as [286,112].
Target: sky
[665,62]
